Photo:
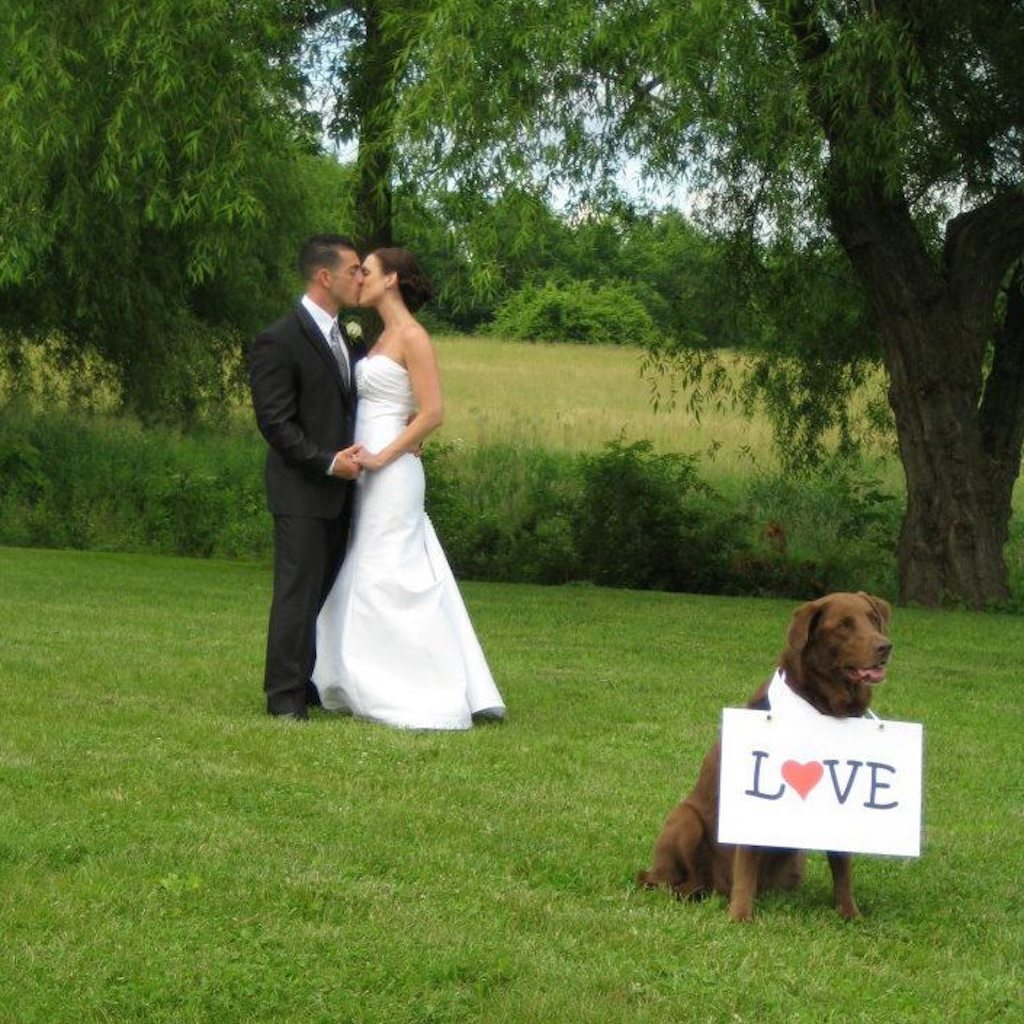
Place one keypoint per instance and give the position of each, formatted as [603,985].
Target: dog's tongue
[871,676]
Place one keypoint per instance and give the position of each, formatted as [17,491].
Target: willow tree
[152,172]
[893,127]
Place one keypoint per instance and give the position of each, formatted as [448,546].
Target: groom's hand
[345,466]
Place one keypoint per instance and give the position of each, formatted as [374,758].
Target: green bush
[109,484]
[505,513]
[648,521]
[835,529]
[576,311]
[25,485]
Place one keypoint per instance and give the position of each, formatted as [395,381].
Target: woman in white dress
[394,643]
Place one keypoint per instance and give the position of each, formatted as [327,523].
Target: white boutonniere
[354,330]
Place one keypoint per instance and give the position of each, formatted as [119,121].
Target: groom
[303,392]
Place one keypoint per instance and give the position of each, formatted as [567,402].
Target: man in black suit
[301,375]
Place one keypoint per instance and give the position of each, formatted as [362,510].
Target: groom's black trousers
[307,555]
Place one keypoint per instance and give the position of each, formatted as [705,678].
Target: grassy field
[561,397]
[570,397]
[577,397]
[168,854]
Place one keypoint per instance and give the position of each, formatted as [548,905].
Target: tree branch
[1002,408]
[311,15]
[813,43]
[980,247]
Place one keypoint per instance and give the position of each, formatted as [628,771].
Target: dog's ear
[881,606]
[801,627]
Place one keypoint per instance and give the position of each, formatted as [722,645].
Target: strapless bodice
[380,379]
[385,401]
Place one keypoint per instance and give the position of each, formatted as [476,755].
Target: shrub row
[625,516]
[109,484]
[628,517]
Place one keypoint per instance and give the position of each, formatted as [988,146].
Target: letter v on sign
[842,794]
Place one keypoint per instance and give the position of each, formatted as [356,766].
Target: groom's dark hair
[321,251]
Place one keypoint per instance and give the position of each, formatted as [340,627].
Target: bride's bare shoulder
[416,333]
[414,338]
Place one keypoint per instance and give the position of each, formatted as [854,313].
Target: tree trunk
[373,198]
[959,429]
[376,86]
[956,520]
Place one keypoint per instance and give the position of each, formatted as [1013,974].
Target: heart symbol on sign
[802,777]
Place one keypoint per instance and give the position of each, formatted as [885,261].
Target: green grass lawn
[167,853]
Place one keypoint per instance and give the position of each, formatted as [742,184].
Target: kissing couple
[366,617]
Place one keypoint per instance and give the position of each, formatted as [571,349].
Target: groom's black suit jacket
[307,414]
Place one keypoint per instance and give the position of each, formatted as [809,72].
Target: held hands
[345,464]
[366,459]
[350,462]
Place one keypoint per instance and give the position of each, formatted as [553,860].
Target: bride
[394,643]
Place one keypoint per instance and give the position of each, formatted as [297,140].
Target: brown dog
[836,650]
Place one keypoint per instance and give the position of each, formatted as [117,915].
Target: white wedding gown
[394,643]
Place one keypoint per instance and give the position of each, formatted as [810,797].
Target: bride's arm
[421,362]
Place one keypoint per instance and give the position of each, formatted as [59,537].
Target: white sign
[848,785]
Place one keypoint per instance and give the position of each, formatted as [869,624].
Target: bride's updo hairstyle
[413,284]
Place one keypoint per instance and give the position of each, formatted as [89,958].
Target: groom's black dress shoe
[488,716]
[291,716]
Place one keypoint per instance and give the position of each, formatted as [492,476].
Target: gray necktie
[338,348]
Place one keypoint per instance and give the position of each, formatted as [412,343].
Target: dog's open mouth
[870,676]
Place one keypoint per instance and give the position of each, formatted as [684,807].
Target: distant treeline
[509,265]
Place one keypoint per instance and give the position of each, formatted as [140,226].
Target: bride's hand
[366,458]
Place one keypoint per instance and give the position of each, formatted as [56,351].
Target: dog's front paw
[691,892]
[741,911]
[848,910]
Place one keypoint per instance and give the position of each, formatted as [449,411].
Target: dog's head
[837,649]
